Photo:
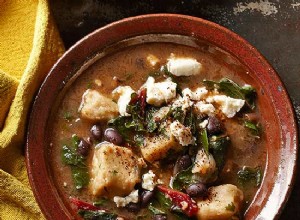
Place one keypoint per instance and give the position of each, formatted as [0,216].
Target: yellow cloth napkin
[29,46]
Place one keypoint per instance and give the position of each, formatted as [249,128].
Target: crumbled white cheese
[123,93]
[123,201]
[153,60]
[183,102]
[98,82]
[197,95]
[204,164]
[159,93]
[181,133]
[203,124]
[205,108]
[183,66]
[229,106]
[149,181]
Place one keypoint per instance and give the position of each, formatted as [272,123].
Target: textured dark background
[273,28]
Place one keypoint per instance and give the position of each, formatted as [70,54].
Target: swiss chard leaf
[77,162]
[250,175]
[119,124]
[80,176]
[97,215]
[151,124]
[183,179]
[218,147]
[139,139]
[100,202]
[233,90]
[156,211]
[190,121]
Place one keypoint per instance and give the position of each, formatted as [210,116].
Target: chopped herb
[183,179]
[218,147]
[230,207]
[253,127]
[100,202]
[204,140]
[114,172]
[89,215]
[250,175]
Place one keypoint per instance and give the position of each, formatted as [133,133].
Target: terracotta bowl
[275,106]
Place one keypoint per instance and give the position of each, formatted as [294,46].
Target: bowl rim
[245,52]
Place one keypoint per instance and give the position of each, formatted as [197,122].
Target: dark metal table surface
[272,26]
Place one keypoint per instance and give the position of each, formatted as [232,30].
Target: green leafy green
[230,207]
[119,124]
[204,140]
[139,139]
[233,90]
[80,176]
[250,175]
[162,202]
[183,179]
[100,201]
[178,114]
[77,163]
[93,215]
[155,211]
[190,121]
[218,147]
[151,124]
[253,127]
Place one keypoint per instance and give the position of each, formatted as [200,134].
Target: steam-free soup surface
[244,157]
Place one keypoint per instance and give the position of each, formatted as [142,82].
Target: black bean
[113,136]
[182,163]
[133,207]
[146,198]
[83,147]
[159,217]
[197,190]
[96,132]
[214,125]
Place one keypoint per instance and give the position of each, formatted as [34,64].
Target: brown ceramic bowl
[275,106]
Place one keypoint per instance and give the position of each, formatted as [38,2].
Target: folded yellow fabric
[29,46]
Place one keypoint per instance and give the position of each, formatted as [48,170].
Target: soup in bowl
[160,122]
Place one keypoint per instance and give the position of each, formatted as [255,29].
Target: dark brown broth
[131,63]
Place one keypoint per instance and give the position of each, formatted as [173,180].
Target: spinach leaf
[204,140]
[100,215]
[218,147]
[250,175]
[77,162]
[183,179]
[253,127]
